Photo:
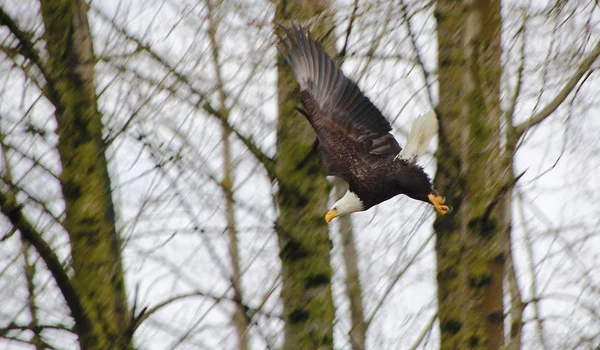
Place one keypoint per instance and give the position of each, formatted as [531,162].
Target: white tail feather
[423,129]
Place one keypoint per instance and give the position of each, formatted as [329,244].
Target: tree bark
[358,327]
[239,317]
[471,242]
[89,213]
[29,272]
[302,194]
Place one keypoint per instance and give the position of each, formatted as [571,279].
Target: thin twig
[342,54]
[545,112]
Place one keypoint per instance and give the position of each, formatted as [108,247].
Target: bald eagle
[354,137]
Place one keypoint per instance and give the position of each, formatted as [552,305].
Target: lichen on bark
[471,172]
[89,212]
[302,199]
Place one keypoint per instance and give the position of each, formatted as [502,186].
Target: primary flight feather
[354,137]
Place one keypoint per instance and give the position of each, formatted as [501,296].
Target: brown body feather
[354,136]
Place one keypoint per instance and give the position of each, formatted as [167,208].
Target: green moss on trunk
[302,199]
[471,171]
[89,214]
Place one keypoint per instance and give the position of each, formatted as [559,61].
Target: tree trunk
[302,194]
[358,327]
[29,272]
[239,317]
[471,244]
[89,213]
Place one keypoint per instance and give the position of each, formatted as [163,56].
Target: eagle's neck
[348,204]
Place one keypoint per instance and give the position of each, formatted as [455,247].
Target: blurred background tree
[158,190]
[302,192]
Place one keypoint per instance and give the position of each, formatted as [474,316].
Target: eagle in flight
[354,137]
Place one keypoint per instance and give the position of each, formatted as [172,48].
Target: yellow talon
[438,203]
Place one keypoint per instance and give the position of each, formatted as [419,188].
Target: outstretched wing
[339,112]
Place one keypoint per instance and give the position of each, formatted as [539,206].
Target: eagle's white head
[348,204]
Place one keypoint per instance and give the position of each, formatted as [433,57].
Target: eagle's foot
[438,203]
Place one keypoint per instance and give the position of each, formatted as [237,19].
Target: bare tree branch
[27,49]
[342,54]
[203,102]
[265,160]
[424,332]
[509,113]
[13,211]
[374,43]
[34,328]
[358,329]
[25,46]
[239,317]
[398,275]
[545,112]
[418,55]
[531,267]
[29,272]
[516,305]
[145,313]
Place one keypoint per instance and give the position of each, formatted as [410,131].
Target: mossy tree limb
[303,189]
[89,212]
[471,242]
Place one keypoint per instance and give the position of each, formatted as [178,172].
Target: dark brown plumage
[355,140]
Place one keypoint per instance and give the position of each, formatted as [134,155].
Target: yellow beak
[330,215]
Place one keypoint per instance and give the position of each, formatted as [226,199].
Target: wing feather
[335,103]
